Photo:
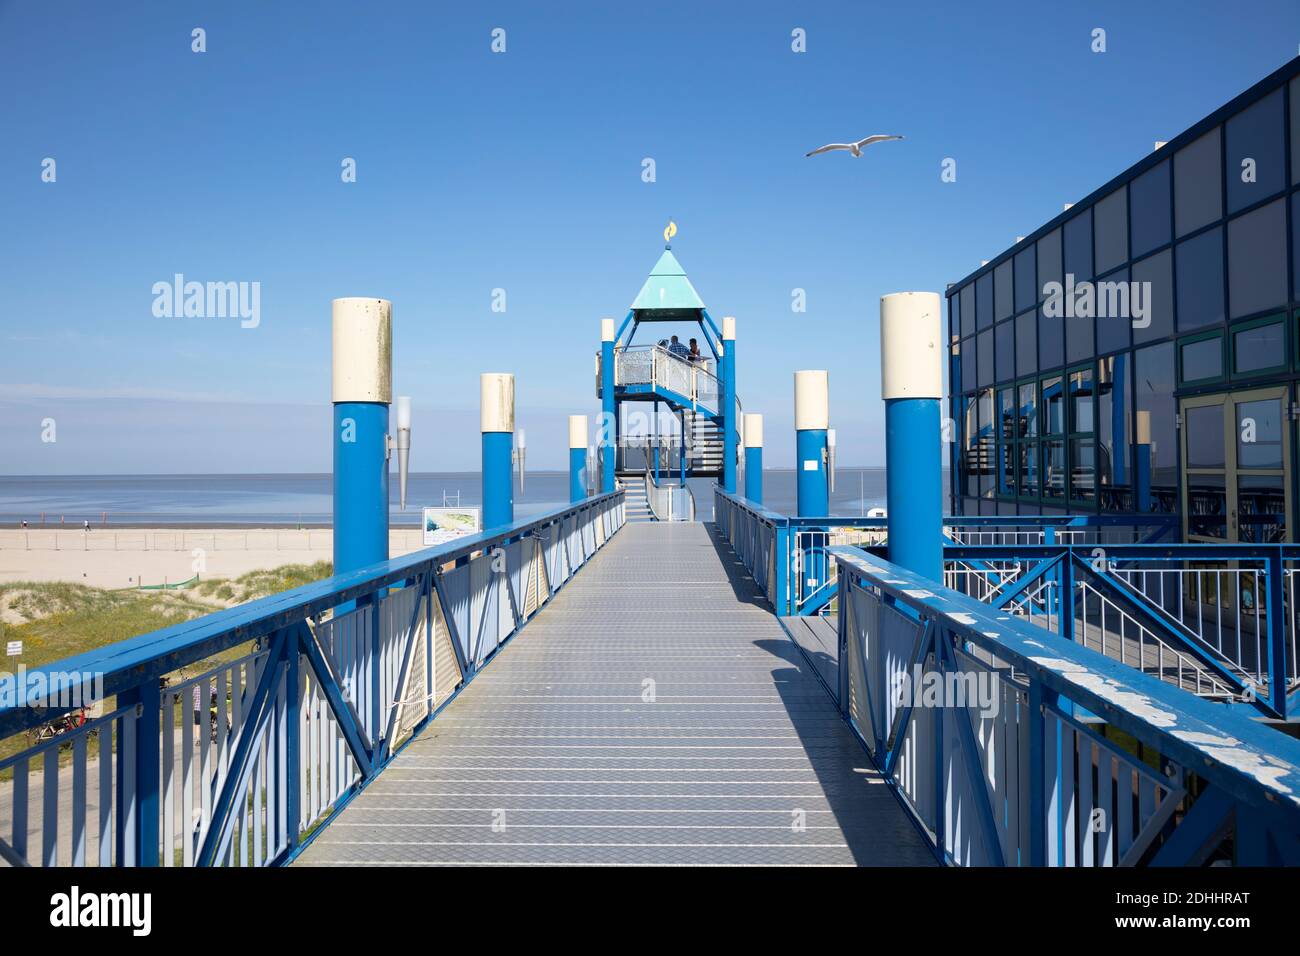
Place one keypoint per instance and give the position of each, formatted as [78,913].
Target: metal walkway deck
[654,713]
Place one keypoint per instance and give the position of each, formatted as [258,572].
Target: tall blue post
[362,392]
[729,423]
[608,426]
[912,385]
[497,422]
[811,419]
[577,458]
[754,457]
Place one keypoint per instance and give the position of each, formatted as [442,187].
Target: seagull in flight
[854,148]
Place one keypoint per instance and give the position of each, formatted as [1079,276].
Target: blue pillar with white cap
[362,393]
[608,428]
[811,420]
[911,383]
[497,422]
[577,458]
[729,423]
[754,457]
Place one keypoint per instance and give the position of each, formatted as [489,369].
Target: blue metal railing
[997,736]
[302,699]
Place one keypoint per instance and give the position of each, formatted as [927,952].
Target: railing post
[293,745]
[1042,753]
[608,431]
[781,601]
[497,422]
[141,848]
[1275,608]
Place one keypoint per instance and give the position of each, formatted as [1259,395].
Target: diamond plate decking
[655,713]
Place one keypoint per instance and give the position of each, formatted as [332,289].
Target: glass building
[1141,351]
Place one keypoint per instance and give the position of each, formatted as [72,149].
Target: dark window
[970,450]
[1006,477]
[1157,298]
[968,377]
[1078,246]
[1053,406]
[1257,260]
[1256,138]
[1156,442]
[1002,304]
[1295,241]
[1028,410]
[1295,132]
[987,451]
[1202,359]
[1114,312]
[1257,348]
[985,365]
[1026,344]
[1049,260]
[1026,281]
[1259,434]
[1028,451]
[984,301]
[1078,337]
[1198,178]
[1004,342]
[1205,447]
[1051,342]
[1149,210]
[1199,264]
[967,309]
[954,316]
[1114,428]
[1110,223]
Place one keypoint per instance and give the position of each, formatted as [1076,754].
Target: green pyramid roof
[667,292]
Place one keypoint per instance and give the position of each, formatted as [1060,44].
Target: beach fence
[225,539]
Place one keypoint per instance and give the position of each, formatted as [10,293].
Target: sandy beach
[127,558]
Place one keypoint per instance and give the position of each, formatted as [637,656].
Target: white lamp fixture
[403,444]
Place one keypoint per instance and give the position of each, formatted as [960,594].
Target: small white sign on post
[14,649]
[445,524]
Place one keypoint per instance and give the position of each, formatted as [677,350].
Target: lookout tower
[638,382]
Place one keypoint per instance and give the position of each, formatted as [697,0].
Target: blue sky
[522,171]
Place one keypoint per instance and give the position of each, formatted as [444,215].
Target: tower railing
[229,739]
[656,367]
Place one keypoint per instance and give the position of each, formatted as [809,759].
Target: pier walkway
[654,713]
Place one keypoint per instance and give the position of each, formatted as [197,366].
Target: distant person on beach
[676,348]
[86,525]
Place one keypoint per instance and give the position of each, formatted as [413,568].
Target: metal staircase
[704,454]
[636,504]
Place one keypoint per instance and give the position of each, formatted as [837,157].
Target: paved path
[654,713]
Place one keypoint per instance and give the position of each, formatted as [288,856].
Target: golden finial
[669,231]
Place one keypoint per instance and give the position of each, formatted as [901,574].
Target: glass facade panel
[1114,326]
[1027,343]
[1259,347]
[969,479]
[1256,167]
[1054,468]
[1083,469]
[1149,210]
[1257,278]
[1007,428]
[1004,343]
[1202,359]
[1026,282]
[1200,280]
[1049,260]
[1053,406]
[1051,342]
[1078,246]
[1081,396]
[985,363]
[1079,344]
[954,316]
[1207,505]
[984,301]
[1114,430]
[968,379]
[1157,292]
[1259,434]
[1003,307]
[1205,436]
[1261,509]
[967,309]
[987,450]
[1295,131]
[1198,184]
[1110,223]
[1155,469]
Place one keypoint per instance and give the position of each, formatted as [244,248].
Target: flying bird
[854,148]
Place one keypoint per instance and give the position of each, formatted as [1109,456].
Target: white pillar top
[1142,430]
[607,330]
[363,350]
[496,402]
[753,430]
[812,400]
[577,431]
[911,351]
[728,328]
